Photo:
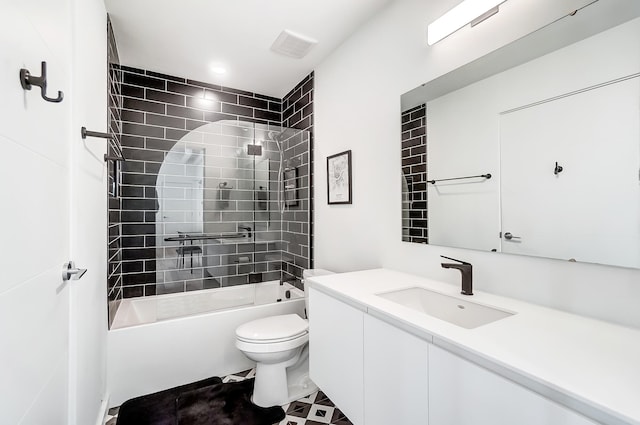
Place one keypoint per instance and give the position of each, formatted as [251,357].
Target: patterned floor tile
[315,409]
[321,413]
[289,420]
[339,418]
[299,409]
[311,398]
[240,376]
[321,398]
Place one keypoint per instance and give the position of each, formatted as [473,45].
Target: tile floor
[315,409]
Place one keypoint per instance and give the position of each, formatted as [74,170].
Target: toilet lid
[272,329]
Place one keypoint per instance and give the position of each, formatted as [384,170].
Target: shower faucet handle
[70,272]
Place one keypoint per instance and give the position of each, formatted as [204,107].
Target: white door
[52,184]
[34,186]
[88,314]
[568,215]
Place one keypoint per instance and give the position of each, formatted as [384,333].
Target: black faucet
[247,228]
[467,274]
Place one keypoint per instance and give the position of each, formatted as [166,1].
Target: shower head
[285,134]
[275,136]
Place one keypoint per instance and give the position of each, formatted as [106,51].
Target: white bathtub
[138,311]
[168,340]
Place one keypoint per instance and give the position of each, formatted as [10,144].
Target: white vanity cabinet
[395,375]
[336,352]
[384,361]
[374,372]
[462,393]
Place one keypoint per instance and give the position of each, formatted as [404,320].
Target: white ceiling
[184,38]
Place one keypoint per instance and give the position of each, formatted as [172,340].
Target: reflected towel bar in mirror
[114,143]
[202,237]
[486,176]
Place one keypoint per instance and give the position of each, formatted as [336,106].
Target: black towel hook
[558,169]
[27,81]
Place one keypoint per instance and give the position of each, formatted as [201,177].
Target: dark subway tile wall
[114,249]
[297,107]
[157,111]
[414,169]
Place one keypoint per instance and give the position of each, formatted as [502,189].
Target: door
[34,185]
[53,186]
[549,212]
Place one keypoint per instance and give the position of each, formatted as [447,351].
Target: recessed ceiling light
[218,69]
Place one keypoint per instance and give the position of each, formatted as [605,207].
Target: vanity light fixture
[469,11]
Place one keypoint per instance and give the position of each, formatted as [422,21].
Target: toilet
[278,345]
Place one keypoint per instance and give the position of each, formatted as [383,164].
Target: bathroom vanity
[382,360]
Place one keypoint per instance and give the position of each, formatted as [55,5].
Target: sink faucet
[466,270]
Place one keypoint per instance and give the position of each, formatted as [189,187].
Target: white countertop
[585,364]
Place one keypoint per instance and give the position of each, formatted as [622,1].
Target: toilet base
[299,384]
[277,386]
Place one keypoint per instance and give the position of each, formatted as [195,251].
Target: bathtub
[168,340]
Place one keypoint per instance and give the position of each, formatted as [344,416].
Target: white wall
[38,139]
[357,106]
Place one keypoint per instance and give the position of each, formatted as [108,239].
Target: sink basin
[450,309]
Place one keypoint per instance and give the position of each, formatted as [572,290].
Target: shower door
[218,223]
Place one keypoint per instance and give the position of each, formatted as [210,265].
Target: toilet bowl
[278,345]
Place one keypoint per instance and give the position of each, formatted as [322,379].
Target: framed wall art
[339,178]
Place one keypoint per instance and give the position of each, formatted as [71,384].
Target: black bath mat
[157,408]
[225,404]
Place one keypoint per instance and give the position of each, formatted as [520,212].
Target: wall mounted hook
[558,169]
[27,81]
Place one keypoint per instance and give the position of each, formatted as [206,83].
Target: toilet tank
[310,273]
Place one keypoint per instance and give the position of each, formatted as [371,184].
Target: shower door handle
[70,272]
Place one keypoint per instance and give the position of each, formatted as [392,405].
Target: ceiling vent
[292,44]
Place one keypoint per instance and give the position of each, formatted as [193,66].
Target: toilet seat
[272,334]
[271,341]
[272,347]
[273,329]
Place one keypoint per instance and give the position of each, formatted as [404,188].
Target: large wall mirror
[533,149]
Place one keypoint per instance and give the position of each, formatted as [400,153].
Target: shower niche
[226,213]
